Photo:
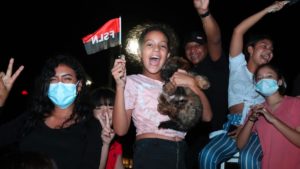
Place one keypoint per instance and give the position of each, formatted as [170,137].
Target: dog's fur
[181,104]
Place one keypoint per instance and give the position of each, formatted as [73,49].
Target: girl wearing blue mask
[244,58]
[59,121]
[276,121]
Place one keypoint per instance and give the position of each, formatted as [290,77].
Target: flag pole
[112,59]
[120,34]
[120,37]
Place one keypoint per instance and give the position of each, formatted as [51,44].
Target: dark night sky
[32,31]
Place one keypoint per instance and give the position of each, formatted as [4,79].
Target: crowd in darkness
[50,99]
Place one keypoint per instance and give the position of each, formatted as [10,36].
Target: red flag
[109,35]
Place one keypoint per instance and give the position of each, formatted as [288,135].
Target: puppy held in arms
[181,104]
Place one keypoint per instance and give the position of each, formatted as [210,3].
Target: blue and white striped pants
[223,147]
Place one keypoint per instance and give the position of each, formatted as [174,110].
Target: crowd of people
[69,125]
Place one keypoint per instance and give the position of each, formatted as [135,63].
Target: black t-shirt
[218,74]
[74,147]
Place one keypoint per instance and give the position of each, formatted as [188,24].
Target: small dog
[181,104]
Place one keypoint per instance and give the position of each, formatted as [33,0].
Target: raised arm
[211,29]
[121,118]
[236,45]
[7,81]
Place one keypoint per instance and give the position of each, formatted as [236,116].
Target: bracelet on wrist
[253,119]
[207,13]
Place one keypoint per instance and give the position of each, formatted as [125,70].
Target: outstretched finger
[17,73]
[107,119]
[2,75]
[102,122]
[10,67]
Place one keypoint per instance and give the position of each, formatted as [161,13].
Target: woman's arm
[244,134]
[292,134]
[236,45]
[119,162]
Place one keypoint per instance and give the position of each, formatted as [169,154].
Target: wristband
[253,119]
[207,13]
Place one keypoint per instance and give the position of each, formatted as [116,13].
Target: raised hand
[276,6]
[201,5]
[7,80]
[107,133]
[119,71]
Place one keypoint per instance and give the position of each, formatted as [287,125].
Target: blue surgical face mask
[62,94]
[266,87]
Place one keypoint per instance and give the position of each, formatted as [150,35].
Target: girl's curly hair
[138,33]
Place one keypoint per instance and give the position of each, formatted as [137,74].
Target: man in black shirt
[204,50]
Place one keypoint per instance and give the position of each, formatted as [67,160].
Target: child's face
[100,113]
[154,52]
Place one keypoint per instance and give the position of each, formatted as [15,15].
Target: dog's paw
[202,82]
[169,88]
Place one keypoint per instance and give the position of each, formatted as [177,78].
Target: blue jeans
[222,147]
[159,154]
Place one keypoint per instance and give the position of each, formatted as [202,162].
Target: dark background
[32,31]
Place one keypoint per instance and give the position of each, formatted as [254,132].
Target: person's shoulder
[295,100]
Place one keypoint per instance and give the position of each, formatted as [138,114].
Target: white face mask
[266,87]
[62,94]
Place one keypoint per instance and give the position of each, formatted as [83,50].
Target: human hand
[7,80]
[261,110]
[119,71]
[182,78]
[201,6]
[107,133]
[255,112]
[233,133]
[276,6]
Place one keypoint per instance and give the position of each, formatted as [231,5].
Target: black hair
[166,30]
[195,36]
[137,35]
[283,86]
[102,96]
[41,106]
[252,39]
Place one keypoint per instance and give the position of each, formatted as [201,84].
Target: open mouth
[154,60]
[266,57]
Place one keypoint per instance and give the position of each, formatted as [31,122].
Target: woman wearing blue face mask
[59,122]
[277,121]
